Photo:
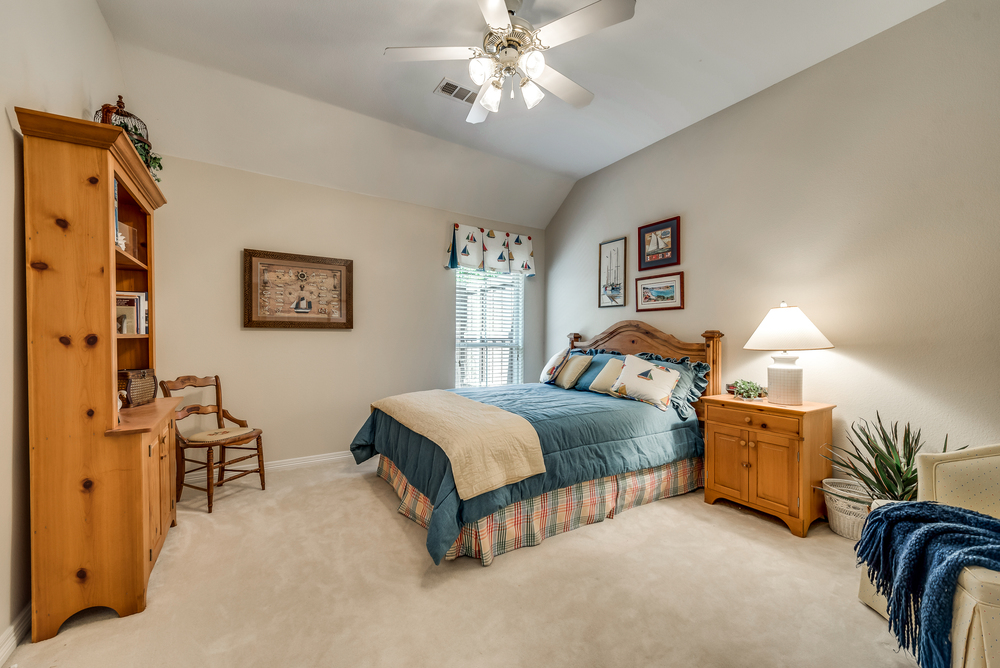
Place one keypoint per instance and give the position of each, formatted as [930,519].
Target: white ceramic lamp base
[784,381]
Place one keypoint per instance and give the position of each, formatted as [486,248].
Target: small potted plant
[747,390]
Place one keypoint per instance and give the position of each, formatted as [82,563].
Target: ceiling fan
[513,47]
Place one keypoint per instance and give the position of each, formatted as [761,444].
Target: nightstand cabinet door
[774,472]
[727,461]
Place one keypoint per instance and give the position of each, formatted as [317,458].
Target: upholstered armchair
[967,479]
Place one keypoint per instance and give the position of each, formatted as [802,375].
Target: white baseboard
[284,464]
[15,633]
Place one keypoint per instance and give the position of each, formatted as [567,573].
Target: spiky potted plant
[879,465]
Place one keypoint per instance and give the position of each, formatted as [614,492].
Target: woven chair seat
[225,434]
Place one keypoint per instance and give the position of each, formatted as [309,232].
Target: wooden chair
[223,437]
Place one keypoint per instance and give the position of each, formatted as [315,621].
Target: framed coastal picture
[660,244]
[297,291]
[611,279]
[660,293]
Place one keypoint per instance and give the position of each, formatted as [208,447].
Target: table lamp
[786,328]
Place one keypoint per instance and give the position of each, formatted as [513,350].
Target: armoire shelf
[101,480]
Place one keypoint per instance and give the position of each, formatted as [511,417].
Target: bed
[603,455]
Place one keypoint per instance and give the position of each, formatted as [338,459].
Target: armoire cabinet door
[774,472]
[726,461]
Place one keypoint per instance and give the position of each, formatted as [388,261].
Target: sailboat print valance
[490,250]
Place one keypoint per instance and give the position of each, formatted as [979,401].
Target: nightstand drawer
[753,420]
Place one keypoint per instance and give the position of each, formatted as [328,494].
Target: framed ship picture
[660,293]
[297,291]
[611,268]
[660,244]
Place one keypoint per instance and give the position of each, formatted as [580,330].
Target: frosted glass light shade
[787,328]
[491,98]
[532,93]
[532,63]
[480,70]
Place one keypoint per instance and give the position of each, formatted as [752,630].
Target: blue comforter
[583,435]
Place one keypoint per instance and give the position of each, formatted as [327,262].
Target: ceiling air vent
[449,88]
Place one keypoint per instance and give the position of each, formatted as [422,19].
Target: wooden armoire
[102,480]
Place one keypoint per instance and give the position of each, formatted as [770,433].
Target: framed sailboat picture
[611,288]
[660,244]
[660,293]
[297,291]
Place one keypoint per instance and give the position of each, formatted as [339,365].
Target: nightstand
[767,457]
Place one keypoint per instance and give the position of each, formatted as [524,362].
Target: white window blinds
[489,328]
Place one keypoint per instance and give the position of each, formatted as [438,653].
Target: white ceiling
[675,63]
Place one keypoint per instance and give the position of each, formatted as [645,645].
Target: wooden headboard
[634,336]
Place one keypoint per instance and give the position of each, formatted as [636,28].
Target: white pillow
[645,381]
[551,369]
[608,377]
[572,370]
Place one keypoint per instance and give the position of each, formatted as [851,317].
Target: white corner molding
[15,633]
[284,464]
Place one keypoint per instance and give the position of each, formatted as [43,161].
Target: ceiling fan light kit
[513,47]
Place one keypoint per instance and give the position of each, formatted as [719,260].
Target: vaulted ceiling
[675,63]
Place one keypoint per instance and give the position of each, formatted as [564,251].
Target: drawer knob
[752,444]
[763,425]
[747,420]
[743,443]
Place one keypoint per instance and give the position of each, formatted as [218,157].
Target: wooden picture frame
[611,273]
[664,292]
[660,244]
[288,291]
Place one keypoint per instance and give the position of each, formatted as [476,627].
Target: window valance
[483,249]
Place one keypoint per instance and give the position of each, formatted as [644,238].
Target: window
[489,328]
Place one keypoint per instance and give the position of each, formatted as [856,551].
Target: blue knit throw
[915,552]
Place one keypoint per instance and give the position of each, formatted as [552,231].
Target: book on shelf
[134,306]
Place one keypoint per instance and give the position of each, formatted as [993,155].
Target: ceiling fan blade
[478,113]
[495,13]
[591,18]
[429,52]
[564,88]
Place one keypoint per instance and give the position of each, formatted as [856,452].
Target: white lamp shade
[532,94]
[532,63]
[787,328]
[480,69]
[491,98]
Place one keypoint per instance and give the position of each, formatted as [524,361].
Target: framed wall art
[297,291]
[660,293]
[660,244]
[611,279]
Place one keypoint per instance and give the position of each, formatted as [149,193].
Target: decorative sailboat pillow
[552,367]
[647,382]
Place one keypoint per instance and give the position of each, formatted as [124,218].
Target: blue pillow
[691,385]
[600,360]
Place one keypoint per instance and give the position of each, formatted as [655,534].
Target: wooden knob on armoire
[743,443]
[752,444]
[747,420]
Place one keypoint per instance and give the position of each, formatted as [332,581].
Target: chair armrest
[966,478]
[226,414]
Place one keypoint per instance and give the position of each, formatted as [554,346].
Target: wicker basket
[847,518]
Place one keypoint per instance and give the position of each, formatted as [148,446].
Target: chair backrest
[967,478]
[183,382]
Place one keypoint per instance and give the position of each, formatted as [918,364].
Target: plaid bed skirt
[530,521]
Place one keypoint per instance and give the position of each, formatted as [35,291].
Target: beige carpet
[320,570]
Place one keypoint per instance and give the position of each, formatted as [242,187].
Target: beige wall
[57,56]
[864,190]
[309,390]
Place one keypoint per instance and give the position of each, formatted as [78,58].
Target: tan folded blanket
[488,447]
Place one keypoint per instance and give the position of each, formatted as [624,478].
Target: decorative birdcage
[115,114]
